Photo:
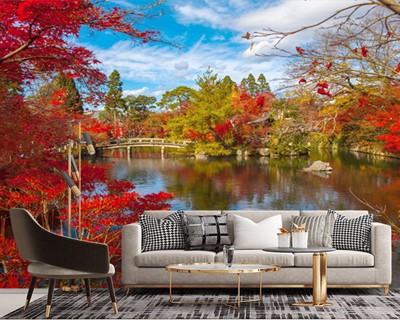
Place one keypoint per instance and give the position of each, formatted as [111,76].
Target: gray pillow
[320,228]
[205,232]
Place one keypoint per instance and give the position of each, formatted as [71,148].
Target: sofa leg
[386,290]
[127,292]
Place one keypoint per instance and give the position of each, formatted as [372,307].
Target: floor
[11,299]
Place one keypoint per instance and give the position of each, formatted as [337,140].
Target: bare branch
[380,210]
[392,5]
[281,35]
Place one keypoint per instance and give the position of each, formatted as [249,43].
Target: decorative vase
[283,240]
[228,251]
[299,239]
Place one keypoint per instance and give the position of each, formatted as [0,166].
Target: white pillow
[252,235]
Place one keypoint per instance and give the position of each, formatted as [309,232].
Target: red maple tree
[38,40]
[38,36]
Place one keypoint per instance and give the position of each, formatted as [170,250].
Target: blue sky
[210,33]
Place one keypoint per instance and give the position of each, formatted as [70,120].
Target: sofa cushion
[252,235]
[285,259]
[206,232]
[165,234]
[352,234]
[319,227]
[338,259]
[163,258]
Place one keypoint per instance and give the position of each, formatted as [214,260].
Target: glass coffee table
[221,268]
[320,273]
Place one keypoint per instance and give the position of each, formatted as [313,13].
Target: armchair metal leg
[52,283]
[30,291]
[87,287]
[112,294]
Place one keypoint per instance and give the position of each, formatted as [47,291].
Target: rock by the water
[265,152]
[319,166]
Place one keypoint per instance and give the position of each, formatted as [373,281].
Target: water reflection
[261,183]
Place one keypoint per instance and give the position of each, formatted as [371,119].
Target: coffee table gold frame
[221,268]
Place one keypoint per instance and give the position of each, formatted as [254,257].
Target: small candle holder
[299,236]
[283,238]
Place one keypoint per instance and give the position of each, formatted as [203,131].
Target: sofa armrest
[131,246]
[381,248]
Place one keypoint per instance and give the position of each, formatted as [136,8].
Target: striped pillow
[320,228]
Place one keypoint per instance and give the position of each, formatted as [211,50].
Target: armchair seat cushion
[43,270]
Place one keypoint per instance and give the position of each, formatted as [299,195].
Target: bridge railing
[143,141]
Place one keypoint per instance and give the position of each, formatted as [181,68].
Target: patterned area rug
[276,304]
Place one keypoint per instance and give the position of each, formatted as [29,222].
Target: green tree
[263,85]
[66,87]
[138,110]
[255,87]
[115,105]
[250,84]
[211,107]
[176,98]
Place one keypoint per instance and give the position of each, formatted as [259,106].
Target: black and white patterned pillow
[162,234]
[352,234]
[206,232]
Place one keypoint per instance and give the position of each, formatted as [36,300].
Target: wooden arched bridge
[143,142]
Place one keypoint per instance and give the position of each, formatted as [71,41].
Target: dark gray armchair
[56,257]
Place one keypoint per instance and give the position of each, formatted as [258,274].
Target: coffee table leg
[170,287]
[320,281]
[238,298]
[231,304]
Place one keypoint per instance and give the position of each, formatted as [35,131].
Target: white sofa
[345,268]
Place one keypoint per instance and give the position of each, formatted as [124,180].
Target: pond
[262,183]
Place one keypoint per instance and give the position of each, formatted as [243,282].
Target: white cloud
[218,38]
[214,13]
[136,92]
[182,65]
[250,16]
[189,14]
[288,15]
[166,68]
[163,68]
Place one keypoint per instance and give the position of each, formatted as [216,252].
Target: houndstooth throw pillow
[352,234]
[165,234]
